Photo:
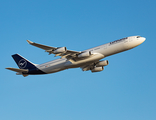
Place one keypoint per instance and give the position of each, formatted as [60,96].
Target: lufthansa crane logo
[22,63]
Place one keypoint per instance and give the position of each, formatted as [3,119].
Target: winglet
[29,42]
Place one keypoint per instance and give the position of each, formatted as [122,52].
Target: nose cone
[142,39]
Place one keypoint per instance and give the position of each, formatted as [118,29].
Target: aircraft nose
[140,40]
[143,39]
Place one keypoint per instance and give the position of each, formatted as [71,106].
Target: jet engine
[102,63]
[60,50]
[97,69]
[84,54]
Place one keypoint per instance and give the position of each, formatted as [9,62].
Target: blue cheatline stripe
[35,71]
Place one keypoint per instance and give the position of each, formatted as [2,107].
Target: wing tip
[30,42]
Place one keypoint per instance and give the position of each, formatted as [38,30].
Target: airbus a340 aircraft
[87,60]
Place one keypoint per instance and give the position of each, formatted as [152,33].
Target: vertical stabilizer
[22,62]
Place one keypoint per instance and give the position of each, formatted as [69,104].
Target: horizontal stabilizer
[18,70]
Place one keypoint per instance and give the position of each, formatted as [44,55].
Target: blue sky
[125,90]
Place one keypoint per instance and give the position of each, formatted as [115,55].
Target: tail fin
[22,62]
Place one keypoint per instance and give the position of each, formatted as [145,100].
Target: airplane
[89,59]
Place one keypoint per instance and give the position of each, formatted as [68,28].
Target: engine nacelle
[102,63]
[60,50]
[84,54]
[97,69]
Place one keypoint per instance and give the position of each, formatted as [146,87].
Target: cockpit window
[138,36]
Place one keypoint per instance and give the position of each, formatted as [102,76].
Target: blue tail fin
[22,62]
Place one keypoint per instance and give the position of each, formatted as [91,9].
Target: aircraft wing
[53,50]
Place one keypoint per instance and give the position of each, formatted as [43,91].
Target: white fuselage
[97,53]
